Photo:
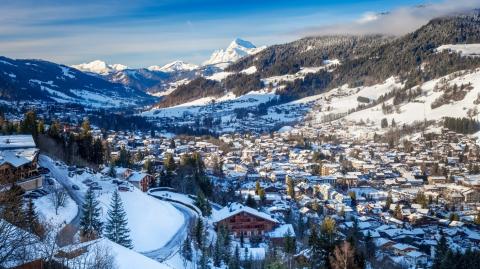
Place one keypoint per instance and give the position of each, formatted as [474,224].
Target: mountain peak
[237,49]
[99,67]
[238,42]
[174,66]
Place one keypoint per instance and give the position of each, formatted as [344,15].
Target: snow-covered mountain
[32,80]
[100,67]
[237,49]
[176,66]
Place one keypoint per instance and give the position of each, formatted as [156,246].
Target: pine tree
[199,233]
[440,251]
[31,219]
[217,254]
[112,172]
[250,202]
[235,260]
[389,201]
[90,223]
[116,228]
[187,249]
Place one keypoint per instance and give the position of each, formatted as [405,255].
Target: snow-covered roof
[236,208]
[17,157]
[16,142]
[17,150]
[282,230]
[123,257]
[137,176]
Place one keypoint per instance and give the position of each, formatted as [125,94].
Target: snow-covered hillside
[237,49]
[463,49]
[41,80]
[176,66]
[455,95]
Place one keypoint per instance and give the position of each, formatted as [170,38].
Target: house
[416,258]
[141,180]
[19,161]
[277,236]
[240,219]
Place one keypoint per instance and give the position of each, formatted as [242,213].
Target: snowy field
[152,222]
[46,211]
[463,49]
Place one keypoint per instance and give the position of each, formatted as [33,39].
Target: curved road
[173,245]
[162,254]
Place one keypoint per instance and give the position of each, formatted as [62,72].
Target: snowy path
[63,179]
[173,246]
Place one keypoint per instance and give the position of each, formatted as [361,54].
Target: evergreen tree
[369,246]
[203,204]
[289,243]
[31,219]
[250,202]
[187,249]
[199,233]
[12,206]
[389,201]
[112,172]
[169,163]
[116,228]
[235,260]
[440,251]
[217,254]
[90,223]
[172,144]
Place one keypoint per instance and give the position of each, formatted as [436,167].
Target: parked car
[31,195]
[123,188]
[75,187]
[43,170]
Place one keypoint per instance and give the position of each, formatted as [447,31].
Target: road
[62,178]
[161,254]
[173,245]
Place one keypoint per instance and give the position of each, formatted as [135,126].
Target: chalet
[141,180]
[277,236]
[18,162]
[240,219]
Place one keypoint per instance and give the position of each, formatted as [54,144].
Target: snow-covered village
[338,143]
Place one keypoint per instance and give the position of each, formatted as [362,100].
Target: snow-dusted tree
[58,197]
[116,228]
[186,251]
[90,223]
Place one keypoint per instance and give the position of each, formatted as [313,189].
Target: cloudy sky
[146,32]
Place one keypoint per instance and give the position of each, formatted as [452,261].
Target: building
[19,162]
[141,180]
[240,219]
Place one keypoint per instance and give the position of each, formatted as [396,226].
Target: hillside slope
[47,81]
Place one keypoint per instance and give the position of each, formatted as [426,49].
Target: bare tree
[17,246]
[343,257]
[58,197]
[97,255]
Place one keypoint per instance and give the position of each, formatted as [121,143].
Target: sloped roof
[236,208]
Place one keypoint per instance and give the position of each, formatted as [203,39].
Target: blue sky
[146,32]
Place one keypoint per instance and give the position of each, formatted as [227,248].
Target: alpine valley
[331,151]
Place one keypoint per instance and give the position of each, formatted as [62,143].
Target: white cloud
[397,22]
